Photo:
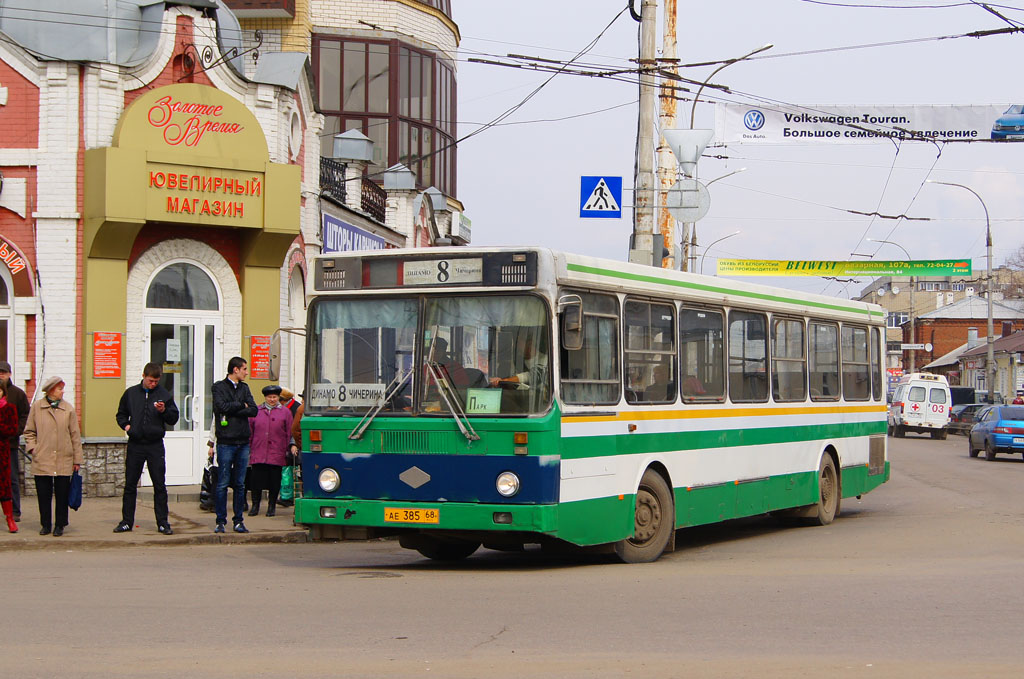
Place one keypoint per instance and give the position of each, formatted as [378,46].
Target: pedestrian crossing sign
[601,197]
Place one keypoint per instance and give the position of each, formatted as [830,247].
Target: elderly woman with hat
[53,439]
[269,444]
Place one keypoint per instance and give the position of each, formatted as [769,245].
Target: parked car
[963,417]
[1010,125]
[999,429]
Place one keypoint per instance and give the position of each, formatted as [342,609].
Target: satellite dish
[880,292]
[895,290]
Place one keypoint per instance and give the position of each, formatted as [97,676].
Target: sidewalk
[92,526]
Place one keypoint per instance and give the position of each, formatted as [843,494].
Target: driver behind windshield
[535,364]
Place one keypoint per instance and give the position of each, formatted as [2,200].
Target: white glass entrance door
[189,351]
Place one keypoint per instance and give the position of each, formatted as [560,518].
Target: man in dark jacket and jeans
[233,405]
[143,412]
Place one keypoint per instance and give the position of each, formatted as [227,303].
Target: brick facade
[946,334]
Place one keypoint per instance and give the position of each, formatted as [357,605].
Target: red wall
[19,118]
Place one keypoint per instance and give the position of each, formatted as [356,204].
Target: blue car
[998,429]
[1010,125]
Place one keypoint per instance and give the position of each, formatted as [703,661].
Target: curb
[49,543]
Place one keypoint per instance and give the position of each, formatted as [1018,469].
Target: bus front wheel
[654,521]
[439,549]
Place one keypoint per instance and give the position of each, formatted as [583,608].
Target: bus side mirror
[570,309]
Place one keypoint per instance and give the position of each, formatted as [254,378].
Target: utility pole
[667,121]
[642,246]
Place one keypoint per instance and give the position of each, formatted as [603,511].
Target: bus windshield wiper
[445,388]
[396,386]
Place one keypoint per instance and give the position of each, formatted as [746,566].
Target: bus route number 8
[442,271]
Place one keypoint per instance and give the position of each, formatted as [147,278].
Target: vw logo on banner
[753,120]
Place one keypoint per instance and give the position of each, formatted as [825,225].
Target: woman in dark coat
[8,429]
[269,444]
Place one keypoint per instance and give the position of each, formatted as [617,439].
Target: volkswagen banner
[748,124]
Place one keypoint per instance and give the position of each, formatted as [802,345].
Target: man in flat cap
[145,411]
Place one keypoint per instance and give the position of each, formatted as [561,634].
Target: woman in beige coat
[53,439]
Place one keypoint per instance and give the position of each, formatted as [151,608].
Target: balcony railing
[374,200]
[332,179]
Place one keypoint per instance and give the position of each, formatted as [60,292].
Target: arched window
[182,286]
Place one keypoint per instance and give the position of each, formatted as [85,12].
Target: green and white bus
[510,396]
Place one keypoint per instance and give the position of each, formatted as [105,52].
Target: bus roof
[576,270]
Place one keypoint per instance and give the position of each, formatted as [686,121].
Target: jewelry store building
[154,209]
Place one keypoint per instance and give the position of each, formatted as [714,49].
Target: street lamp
[913,284]
[990,363]
[713,243]
[728,62]
[693,228]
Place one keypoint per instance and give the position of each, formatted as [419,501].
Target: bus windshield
[482,355]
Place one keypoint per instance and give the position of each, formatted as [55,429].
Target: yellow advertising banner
[782,267]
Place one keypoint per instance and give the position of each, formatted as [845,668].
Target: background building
[167,173]
[159,196]
[931,294]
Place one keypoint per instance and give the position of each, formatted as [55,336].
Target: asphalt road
[921,578]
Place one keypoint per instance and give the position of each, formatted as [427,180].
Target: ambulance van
[920,404]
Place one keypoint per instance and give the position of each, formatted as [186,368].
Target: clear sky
[520,180]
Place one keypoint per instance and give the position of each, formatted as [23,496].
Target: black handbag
[208,489]
[75,492]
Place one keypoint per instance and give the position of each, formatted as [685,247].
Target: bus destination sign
[443,271]
[341,395]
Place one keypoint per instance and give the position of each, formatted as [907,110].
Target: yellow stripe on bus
[725,412]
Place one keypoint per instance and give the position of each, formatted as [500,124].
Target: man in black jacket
[233,405]
[144,413]
[17,398]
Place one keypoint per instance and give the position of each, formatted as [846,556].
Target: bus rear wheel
[828,492]
[654,521]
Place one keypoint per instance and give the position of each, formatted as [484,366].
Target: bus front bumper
[382,517]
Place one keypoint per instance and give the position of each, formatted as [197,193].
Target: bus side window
[856,371]
[876,369]
[590,375]
[650,352]
[789,369]
[823,361]
[748,357]
[702,354]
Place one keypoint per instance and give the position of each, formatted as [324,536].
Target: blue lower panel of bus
[433,478]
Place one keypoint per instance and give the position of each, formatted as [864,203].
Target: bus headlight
[507,484]
[329,480]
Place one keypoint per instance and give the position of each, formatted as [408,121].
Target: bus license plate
[403,515]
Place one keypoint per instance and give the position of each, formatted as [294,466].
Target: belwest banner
[743,124]
[775,267]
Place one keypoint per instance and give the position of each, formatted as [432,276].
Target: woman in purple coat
[269,443]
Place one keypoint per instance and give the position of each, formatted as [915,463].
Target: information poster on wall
[106,354]
[259,353]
